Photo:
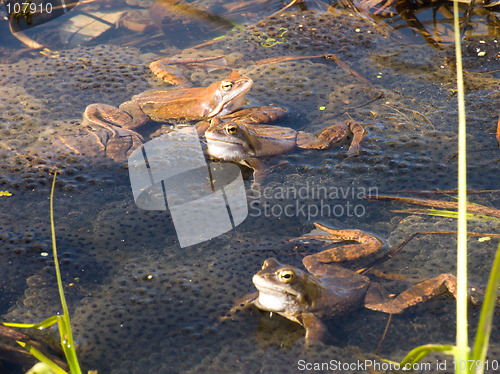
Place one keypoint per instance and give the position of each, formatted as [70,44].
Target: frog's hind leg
[366,245]
[378,299]
[331,135]
[111,118]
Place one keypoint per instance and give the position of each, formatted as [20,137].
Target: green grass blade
[462,344]
[47,323]
[453,214]
[20,325]
[487,310]
[42,358]
[67,342]
[39,326]
[417,354]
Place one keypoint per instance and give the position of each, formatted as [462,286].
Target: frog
[248,143]
[178,104]
[195,103]
[325,289]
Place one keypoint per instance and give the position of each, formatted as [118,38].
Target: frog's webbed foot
[119,148]
[111,118]
[169,73]
[168,69]
[116,143]
[366,245]
[331,135]
[378,299]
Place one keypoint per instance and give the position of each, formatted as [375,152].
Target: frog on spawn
[195,103]
[247,144]
[177,104]
[326,290]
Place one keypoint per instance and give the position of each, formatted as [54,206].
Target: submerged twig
[275,60]
[442,192]
[293,2]
[195,12]
[395,250]
[348,69]
[22,37]
[498,131]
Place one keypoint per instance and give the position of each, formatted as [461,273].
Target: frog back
[275,140]
[343,290]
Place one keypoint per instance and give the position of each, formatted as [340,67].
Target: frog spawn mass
[398,154]
[44,101]
[182,298]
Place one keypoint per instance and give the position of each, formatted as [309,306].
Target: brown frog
[177,104]
[195,103]
[326,290]
[247,143]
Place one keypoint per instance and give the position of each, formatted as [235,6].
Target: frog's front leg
[315,328]
[331,135]
[366,245]
[240,304]
[378,299]
[260,171]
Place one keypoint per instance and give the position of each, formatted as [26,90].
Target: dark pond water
[140,303]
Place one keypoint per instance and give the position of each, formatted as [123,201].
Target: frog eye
[231,129]
[226,86]
[286,276]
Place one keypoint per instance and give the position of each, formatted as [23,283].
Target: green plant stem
[67,342]
[462,345]
[42,358]
[485,320]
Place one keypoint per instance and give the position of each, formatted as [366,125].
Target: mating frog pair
[327,290]
[233,134]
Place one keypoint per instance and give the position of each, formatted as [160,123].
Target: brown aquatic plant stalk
[194,12]
[472,208]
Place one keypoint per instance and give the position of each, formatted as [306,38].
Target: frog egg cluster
[21,256]
[332,32]
[241,357]
[152,310]
[63,83]
[429,255]
[41,297]
[148,297]
[322,93]
[32,168]
[165,293]
[43,98]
